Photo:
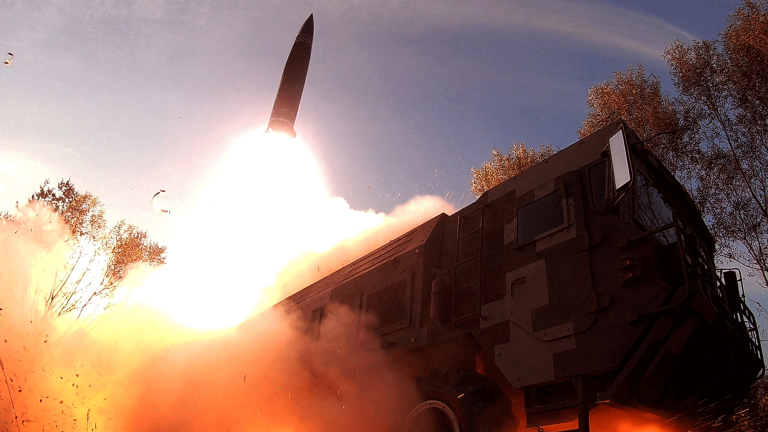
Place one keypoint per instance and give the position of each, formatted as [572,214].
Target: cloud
[591,23]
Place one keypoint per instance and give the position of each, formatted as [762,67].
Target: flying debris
[292,82]
[156,205]
[10,59]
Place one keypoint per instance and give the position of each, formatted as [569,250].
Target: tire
[432,416]
[460,401]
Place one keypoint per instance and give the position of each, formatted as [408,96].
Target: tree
[752,414]
[720,115]
[99,258]
[724,83]
[504,166]
[636,97]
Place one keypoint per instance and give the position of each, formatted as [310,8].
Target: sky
[129,97]
[402,99]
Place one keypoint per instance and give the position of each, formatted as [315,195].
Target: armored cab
[588,278]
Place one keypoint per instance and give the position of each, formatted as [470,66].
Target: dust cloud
[136,369]
[271,375]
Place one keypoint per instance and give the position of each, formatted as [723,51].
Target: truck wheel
[461,401]
[432,416]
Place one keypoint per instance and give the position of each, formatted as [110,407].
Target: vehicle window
[597,186]
[540,216]
[652,211]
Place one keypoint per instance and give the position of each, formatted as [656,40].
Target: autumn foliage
[98,256]
[636,97]
[504,166]
[719,150]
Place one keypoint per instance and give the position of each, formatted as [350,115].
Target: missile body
[292,82]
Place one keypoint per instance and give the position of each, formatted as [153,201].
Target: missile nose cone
[308,29]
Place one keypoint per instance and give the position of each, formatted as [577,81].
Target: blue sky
[399,94]
[402,98]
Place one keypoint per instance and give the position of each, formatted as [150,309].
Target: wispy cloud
[592,23]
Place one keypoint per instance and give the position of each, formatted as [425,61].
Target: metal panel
[392,304]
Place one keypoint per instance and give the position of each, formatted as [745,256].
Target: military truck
[586,279]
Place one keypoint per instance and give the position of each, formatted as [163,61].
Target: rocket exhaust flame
[265,206]
[259,226]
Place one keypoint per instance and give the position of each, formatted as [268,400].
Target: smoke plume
[136,369]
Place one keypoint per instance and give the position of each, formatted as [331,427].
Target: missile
[292,82]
